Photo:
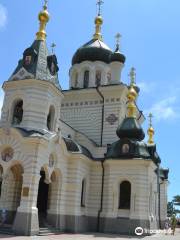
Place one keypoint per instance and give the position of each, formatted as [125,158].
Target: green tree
[176,200]
[170,209]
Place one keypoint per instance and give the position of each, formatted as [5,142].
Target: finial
[132,95]
[150,130]
[43,19]
[99,4]
[53,45]
[98,22]
[118,37]
[132,76]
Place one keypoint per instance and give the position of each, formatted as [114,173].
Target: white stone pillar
[26,220]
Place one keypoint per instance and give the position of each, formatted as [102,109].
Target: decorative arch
[125,195]
[51,118]
[17,111]
[12,188]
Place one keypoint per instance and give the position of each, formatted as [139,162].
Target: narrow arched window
[86,79]
[76,80]
[125,195]
[17,112]
[98,78]
[108,77]
[83,193]
[50,118]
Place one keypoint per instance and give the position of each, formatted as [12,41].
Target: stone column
[26,221]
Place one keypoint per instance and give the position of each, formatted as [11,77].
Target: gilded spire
[98,22]
[150,130]
[43,20]
[132,95]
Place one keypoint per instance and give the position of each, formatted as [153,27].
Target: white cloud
[144,87]
[165,109]
[3,16]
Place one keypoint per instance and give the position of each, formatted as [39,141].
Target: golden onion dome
[151,130]
[132,94]
[99,20]
[44,15]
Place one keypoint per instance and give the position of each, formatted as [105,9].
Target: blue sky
[150,32]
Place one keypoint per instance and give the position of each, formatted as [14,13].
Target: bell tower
[33,94]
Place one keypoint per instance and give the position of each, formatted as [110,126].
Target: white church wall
[134,171]
[37,98]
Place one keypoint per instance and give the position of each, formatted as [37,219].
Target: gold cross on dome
[53,45]
[99,3]
[150,119]
[132,75]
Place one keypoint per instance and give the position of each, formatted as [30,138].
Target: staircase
[45,229]
[6,229]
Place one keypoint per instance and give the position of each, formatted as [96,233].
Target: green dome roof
[96,50]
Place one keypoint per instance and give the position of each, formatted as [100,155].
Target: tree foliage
[176,200]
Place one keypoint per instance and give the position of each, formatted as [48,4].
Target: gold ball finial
[98,22]
[132,96]
[150,131]
[43,19]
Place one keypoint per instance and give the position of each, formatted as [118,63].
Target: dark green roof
[40,64]
[163,173]
[74,147]
[130,128]
[96,50]
[136,150]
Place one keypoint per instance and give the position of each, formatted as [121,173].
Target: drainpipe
[102,195]
[102,119]
[159,198]
[102,163]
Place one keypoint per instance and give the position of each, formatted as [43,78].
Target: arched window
[76,80]
[98,78]
[83,193]
[108,77]
[17,112]
[50,118]
[86,79]
[125,195]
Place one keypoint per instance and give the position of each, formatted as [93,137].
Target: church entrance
[42,199]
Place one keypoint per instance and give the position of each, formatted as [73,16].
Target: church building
[76,160]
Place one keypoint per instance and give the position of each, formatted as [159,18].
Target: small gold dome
[151,130]
[44,16]
[99,20]
[132,94]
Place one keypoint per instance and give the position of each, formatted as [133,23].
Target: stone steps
[46,231]
[6,230]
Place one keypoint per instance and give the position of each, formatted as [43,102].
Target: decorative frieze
[71,104]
